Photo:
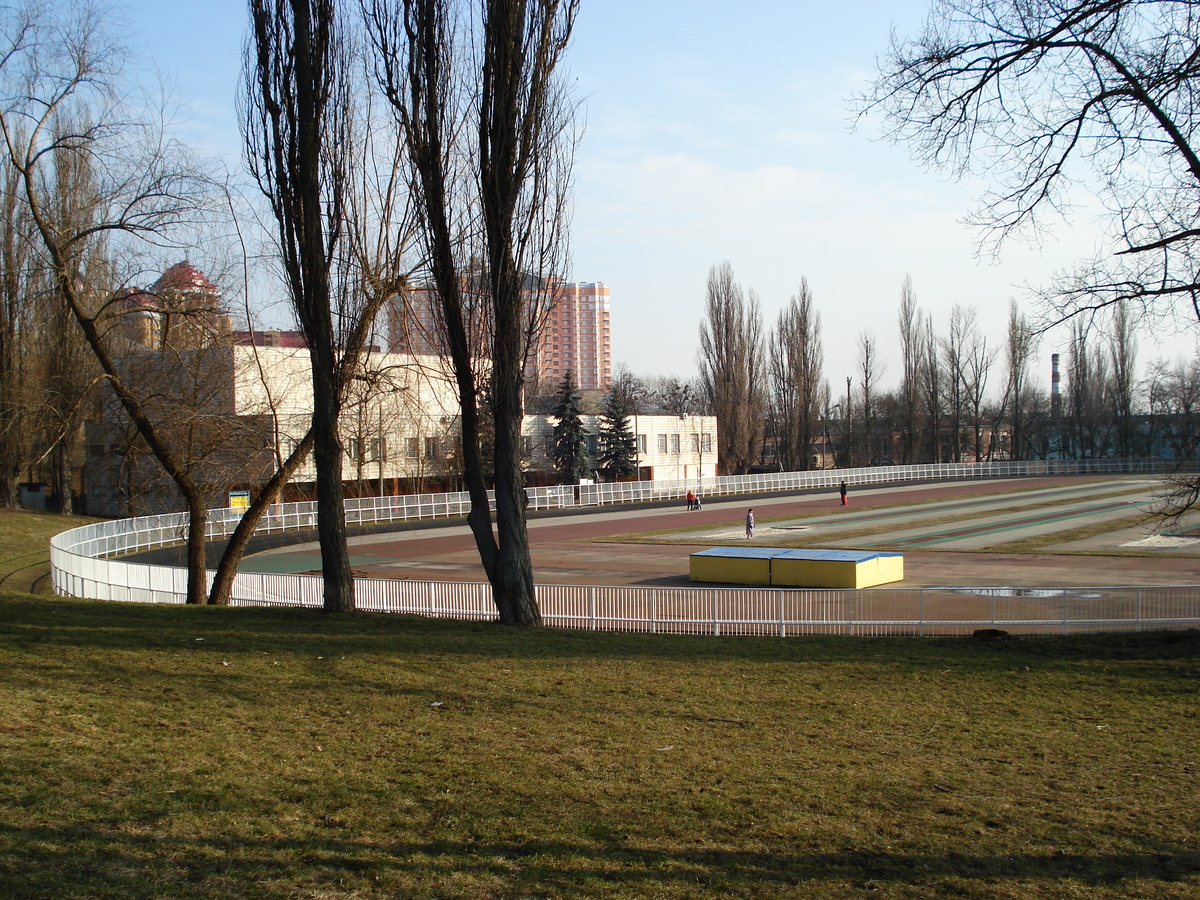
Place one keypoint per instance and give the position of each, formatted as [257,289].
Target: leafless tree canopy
[797,394]
[1017,404]
[1046,97]
[92,179]
[733,369]
[870,370]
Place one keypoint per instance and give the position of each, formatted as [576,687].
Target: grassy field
[25,546]
[169,752]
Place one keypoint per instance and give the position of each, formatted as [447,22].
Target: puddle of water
[1017,592]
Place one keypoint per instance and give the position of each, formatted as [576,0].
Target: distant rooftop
[269,338]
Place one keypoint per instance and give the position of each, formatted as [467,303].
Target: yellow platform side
[890,568]
[730,570]
[837,573]
[817,573]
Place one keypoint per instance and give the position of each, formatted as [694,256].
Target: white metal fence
[84,563]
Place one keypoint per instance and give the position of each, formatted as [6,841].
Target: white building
[236,411]
[668,447]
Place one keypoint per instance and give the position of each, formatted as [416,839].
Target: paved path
[963,515]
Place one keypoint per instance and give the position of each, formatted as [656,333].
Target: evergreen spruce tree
[569,446]
[618,445]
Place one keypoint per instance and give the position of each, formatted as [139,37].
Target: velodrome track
[952,533]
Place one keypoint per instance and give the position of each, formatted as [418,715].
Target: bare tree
[977,359]
[1088,431]
[933,379]
[1178,393]
[23,293]
[490,153]
[1047,97]
[66,110]
[732,369]
[1122,351]
[909,394]
[870,371]
[955,354]
[309,154]
[675,396]
[795,374]
[1016,404]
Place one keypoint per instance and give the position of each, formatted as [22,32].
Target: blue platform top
[855,556]
[835,555]
[741,552]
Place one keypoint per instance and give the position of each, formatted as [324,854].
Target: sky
[717,131]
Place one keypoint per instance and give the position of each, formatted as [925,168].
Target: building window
[432,450]
[662,443]
[706,442]
[414,447]
[641,444]
[674,443]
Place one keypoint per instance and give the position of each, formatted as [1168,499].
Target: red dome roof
[184,277]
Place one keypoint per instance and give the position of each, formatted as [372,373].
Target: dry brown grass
[150,752]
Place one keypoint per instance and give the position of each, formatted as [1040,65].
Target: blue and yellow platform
[780,567]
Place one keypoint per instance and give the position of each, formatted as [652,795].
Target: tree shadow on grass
[89,860]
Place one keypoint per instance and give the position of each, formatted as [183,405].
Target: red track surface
[568,549]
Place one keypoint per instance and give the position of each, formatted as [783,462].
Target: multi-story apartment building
[575,334]
[576,338]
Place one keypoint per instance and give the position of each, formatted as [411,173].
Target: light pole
[849,427]
[829,411]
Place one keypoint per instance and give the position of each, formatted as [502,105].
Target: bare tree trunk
[299,104]
[519,173]
[222,586]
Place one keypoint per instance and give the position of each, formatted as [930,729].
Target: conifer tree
[569,448]
[618,446]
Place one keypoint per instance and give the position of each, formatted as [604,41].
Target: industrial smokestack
[1055,386]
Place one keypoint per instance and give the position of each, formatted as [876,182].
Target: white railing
[84,564]
[771,482]
[714,611]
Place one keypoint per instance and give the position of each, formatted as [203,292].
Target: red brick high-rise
[576,336]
